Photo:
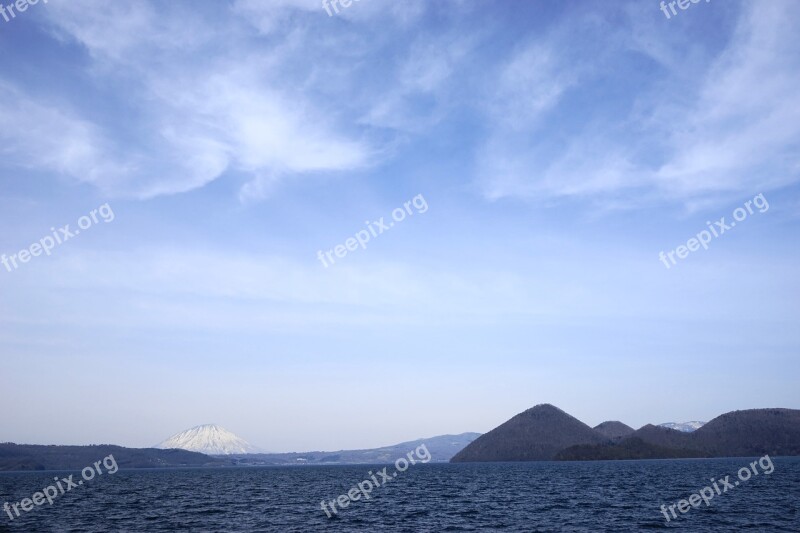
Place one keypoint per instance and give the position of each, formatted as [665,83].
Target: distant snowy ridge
[686,427]
[208,439]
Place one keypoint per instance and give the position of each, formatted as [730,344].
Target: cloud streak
[732,129]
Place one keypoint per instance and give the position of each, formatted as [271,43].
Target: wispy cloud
[420,92]
[200,111]
[743,131]
[733,127]
[39,136]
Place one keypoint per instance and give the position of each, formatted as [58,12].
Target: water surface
[573,496]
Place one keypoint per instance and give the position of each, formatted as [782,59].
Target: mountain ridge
[441,448]
[748,433]
[21,457]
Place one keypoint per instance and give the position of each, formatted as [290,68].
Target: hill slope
[614,430]
[661,436]
[751,432]
[35,457]
[629,448]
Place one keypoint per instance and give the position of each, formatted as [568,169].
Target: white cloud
[271,16]
[420,92]
[531,83]
[744,131]
[35,135]
[198,114]
[125,32]
[267,134]
[732,125]
[213,96]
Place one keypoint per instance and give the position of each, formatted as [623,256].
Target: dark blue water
[596,496]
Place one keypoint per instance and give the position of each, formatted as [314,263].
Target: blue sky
[560,146]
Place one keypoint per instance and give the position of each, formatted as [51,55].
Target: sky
[550,152]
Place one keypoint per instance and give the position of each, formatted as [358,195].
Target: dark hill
[547,433]
[648,442]
[537,434]
[737,434]
[750,433]
[614,430]
[35,457]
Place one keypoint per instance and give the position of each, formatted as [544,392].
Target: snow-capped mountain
[686,427]
[208,439]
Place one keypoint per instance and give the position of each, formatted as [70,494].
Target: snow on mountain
[686,427]
[208,439]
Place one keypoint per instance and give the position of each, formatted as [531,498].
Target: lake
[543,496]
